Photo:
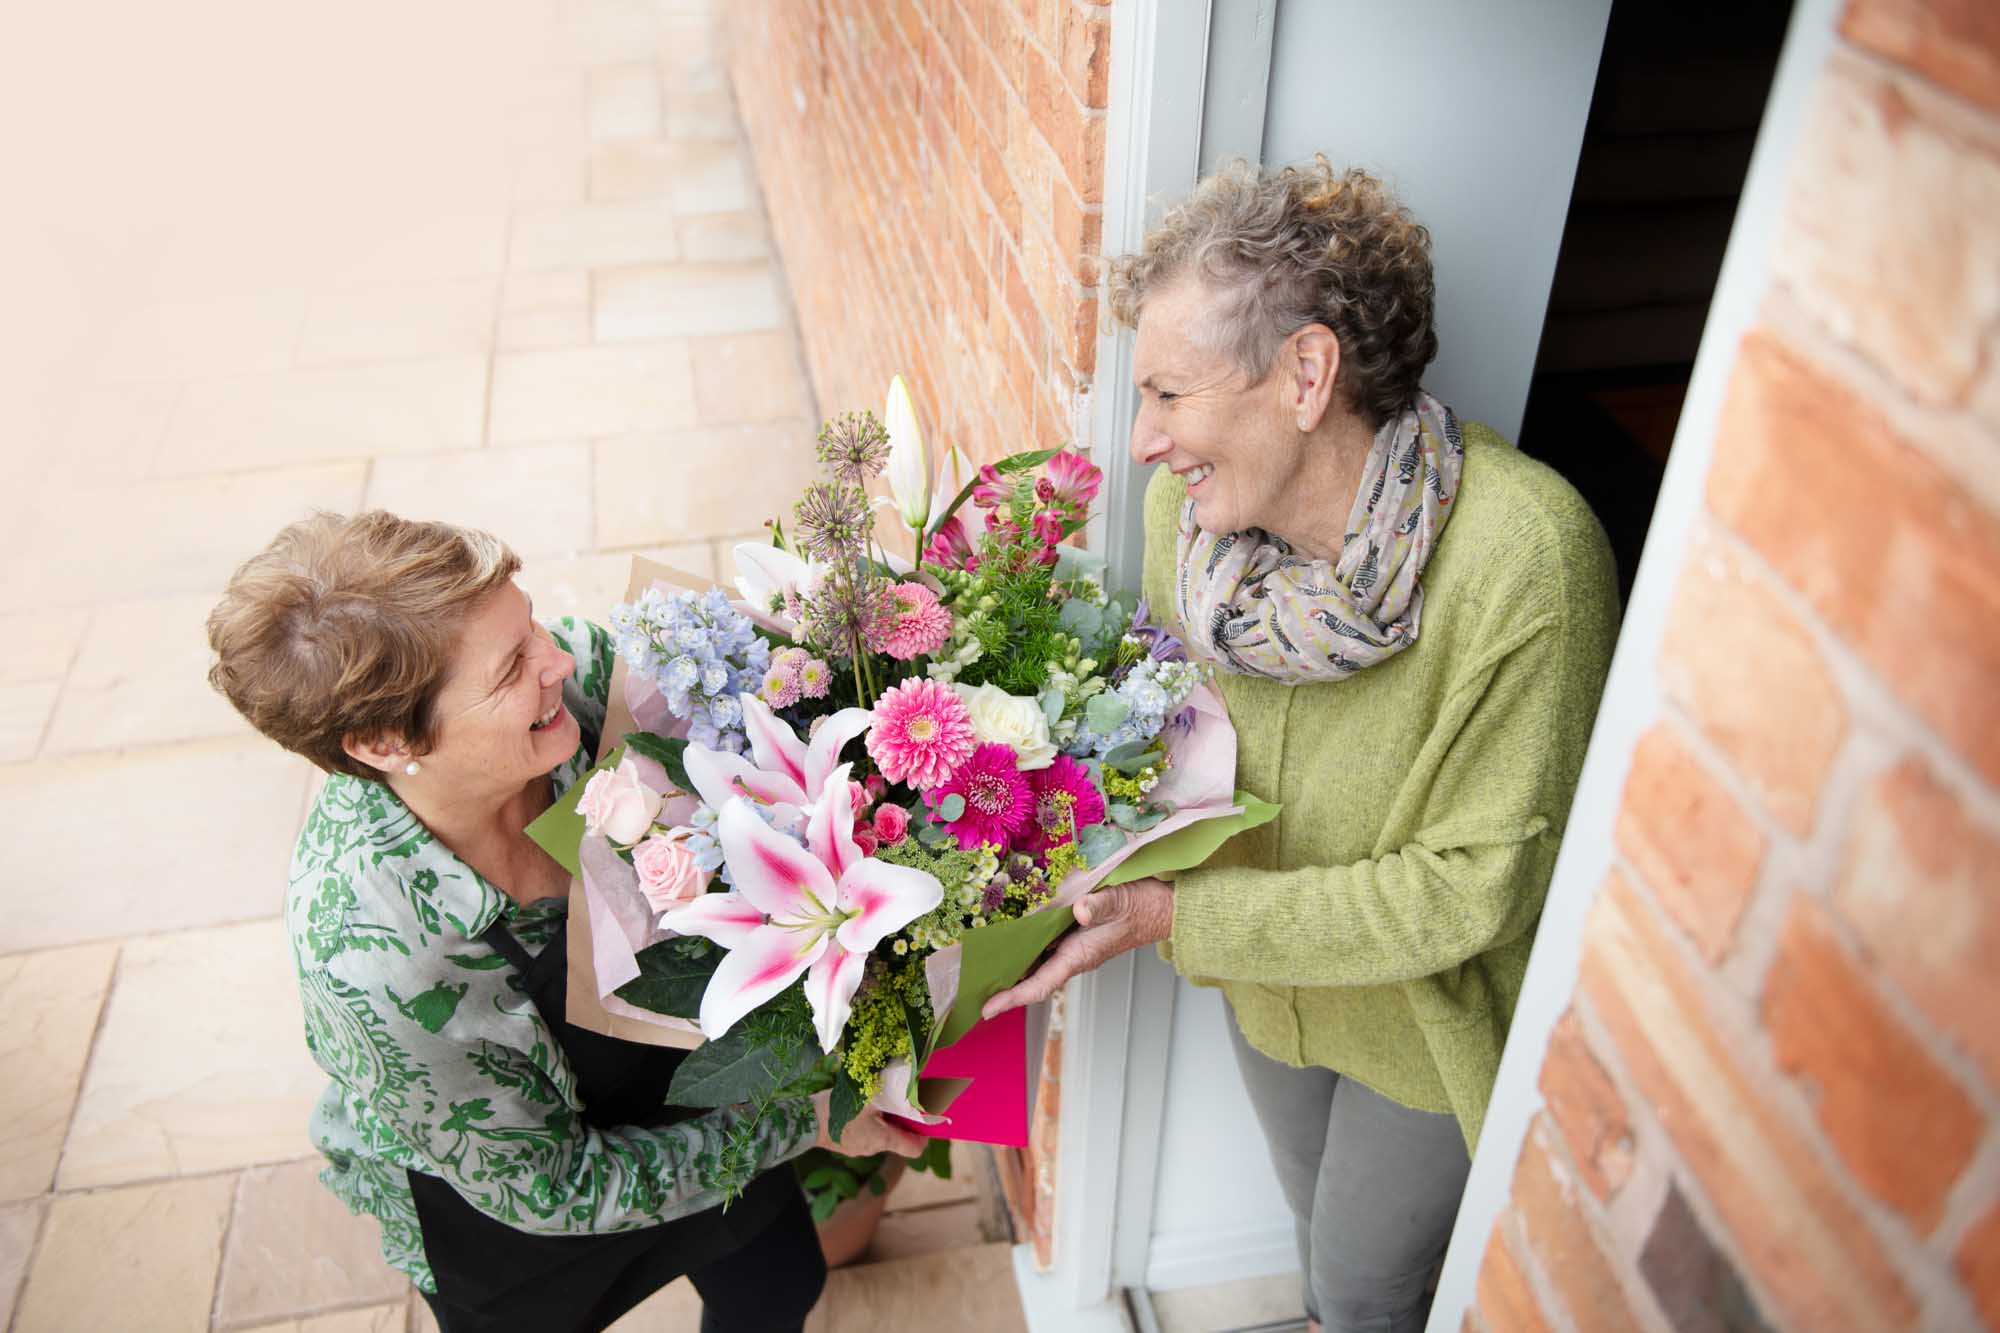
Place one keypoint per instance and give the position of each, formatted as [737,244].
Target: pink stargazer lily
[782,772]
[820,910]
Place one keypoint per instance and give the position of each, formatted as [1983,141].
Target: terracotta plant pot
[844,1237]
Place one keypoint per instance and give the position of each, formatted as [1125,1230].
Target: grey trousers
[1373,1186]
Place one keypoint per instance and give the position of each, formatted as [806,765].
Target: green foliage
[845,1103]
[878,1028]
[664,752]
[772,1049]
[673,976]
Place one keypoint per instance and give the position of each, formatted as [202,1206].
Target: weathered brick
[1953,43]
[1885,547]
[1054,110]
[1506,1302]
[1921,886]
[1687,838]
[1587,1108]
[1900,1122]
[1782,740]
[1888,237]
[1696,1284]
[1565,1238]
[1087,57]
[1978,1266]
[1790,1224]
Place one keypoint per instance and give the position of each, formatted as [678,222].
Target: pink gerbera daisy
[1066,802]
[921,732]
[919,626]
[998,800]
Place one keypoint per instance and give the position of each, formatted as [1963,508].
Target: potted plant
[849,1194]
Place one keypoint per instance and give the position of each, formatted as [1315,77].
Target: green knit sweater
[1380,926]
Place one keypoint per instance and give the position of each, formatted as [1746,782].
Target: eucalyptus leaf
[1082,619]
[1105,712]
[1073,562]
[742,1065]
[1148,820]
[1053,701]
[951,808]
[671,979]
[664,752]
[1098,842]
[1123,815]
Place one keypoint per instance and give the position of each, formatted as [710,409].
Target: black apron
[491,1276]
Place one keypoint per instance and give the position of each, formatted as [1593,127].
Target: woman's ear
[385,754]
[1314,356]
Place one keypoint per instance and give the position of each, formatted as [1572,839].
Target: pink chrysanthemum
[922,732]
[1066,802]
[998,800]
[919,626]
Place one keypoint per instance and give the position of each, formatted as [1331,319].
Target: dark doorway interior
[1680,94]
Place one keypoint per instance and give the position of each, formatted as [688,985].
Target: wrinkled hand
[1109,922]
[867,1134]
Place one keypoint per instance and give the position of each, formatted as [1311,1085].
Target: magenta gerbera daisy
[921,732]
[998,800]
[919,626]
[1066,802]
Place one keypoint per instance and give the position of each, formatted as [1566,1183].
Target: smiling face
[1236,442]
[500,716]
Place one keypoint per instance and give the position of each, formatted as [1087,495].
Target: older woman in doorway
[526,1174]
[1411,623]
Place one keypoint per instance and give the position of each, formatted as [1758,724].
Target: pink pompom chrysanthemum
[998,800]
[921,732]
[919,626]
[1066,802]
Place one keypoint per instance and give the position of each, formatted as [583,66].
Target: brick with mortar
[1688,839]
[1587,1108]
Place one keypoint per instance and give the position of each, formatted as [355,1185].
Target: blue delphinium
[701,653]
[1134,711]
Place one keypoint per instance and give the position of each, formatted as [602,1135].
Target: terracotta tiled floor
[502,263]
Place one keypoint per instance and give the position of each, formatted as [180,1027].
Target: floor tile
[294,1249]
[750,377]
[201,1063]
[232,335]
[19,1225]
[698,178]
[536,498]
[594,235]
[590,391]
[682,300]
[313,415]
[368,1319]
[951,1226]
[142,1258]
[545,309]
[40,644]
[178,535]
[921,1189]
[589,586]
[722,238]
[623,103]
[533,330]
[114,431]
[25,709]
[203,835]
[975,1286]
[548,174]
[141,678]
[399,321]
[428,247]
[51,1000]
[684,486]
[702,115]
[1241,1304]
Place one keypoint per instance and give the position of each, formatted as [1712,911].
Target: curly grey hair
[1284,249]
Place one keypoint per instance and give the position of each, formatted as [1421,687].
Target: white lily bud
[955,473]
[909,461]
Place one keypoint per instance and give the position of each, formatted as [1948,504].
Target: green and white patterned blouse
[439,1065]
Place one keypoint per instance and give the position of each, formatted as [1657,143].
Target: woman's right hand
[867,1134]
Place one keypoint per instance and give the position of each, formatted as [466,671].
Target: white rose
[1009,719]
[618,806]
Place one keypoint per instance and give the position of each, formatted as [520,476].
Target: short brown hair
[1293,247]
[345,627]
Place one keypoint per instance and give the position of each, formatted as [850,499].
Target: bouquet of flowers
[863,795]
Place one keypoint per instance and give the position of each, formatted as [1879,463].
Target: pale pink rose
[618,806]
[667,872]
[891,823]
[857,796]
[864,841]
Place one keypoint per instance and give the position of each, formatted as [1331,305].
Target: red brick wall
[934,175]
[1777,1087]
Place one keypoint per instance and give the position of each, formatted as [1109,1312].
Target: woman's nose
[1149,445]
[558,668]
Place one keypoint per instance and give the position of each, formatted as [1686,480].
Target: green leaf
[1082,619]
[846,1185]
[1105,712]
[951,808]
[823,1205]
[672,979]
[1011,463]
[664,752]
[1131,758]
[819,1179]
[1099,842]
[744,1064]
[1123,815]
[920,1038]
[935,1158]
[845,1103]
[877,1184]
[1053,701]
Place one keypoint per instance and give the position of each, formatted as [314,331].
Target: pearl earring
[413,768]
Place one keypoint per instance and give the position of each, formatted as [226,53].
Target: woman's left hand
[1109,922]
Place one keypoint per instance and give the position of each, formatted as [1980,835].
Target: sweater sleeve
[1472,878]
